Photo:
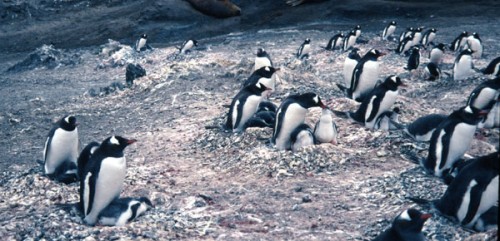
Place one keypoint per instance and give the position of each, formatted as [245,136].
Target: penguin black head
[466,52]
[195,43]
[441,46]
[357,27]
[419,29]
[476,35]
[354,54]
[411,29]
[309,100]
[464,34]
[341,34]
[394,23]
[116,144]
[261,52]
[469,114]
[410,220]
[257,88]
[392,82]
[307,41]
[374,53]
[266,71]
[144,36]
[68,123]
[415,49]
[146,201]
[433,30]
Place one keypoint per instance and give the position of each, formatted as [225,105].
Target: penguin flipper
[475,200]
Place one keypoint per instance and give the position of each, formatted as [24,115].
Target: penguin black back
[414,59]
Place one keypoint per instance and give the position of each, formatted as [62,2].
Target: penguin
[422,128]
[61,151]
[377,102]
[414,59]
[436,54]
[405,45]
[406,33]
[124,210]
[417,36]
[291,113]
[304,49]
[264,75]
[301,136]
[262,59]
[473,193]
[459,41]
[463,67]
[365,75]
[103,177]
[349,40]
[432,72]
[140,45]
[349,64]
[325,130]
[266,105]
[357,30]
[335,42]
[244,106]
[450,140]
[428,37]
[493,67]
[484,96]
[407,226]
[187,46]
[386,121]
[389,30]
[475,44]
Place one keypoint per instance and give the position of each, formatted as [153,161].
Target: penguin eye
[114,141]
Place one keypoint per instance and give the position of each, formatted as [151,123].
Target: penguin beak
[425,216]
[323,106]
[277,69]
[131,141]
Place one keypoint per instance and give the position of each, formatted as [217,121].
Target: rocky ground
[209,184]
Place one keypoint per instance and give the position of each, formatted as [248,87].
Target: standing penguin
[304,49]
[473,193]
[414,59]
[406,33]
[463,67]
[325,130]
[264,75]
[187,46]
[432,72]
[475,44]
[140,45]
[244,106]
[484,96]
[493,67]
[407,226]
[451,139]
[262,59]
[417,36]
[377,102]
[349,40]
[61,151]
[103,177]
[389,30]
[428,37]
[365,75]
[422,128]
[436,54]
[357,30]
[405,45]
[349,64]
[335,42]
[301,137]
[459,41]
[124,210]
[290,114]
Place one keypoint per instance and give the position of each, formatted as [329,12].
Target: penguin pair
[493,68]
[462,67]
[406,33]
[262,59]
[141,44]
[405,45]
[407,226]
[244,105]
[335,42]
[187,46]
[124,210]
[459,41]
[304,49]
[428,37]
[264,117]
[103,177]
[377,102]
[61,151]
[389,30]
[291,114]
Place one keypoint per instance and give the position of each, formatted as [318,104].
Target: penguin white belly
[187,47]
[496,70]
[249,108]
[462,68]
[407,47]
[417,38]
[108,186]
[351,41]
[304,138]
[294,116]
[63,147]
[141,44]
[489,198]
[436,56]
[476,47]
[325,132]
[349,66]
[338,42]
[459,143]
[388,100]
[388,31]
[464,205]
[261,62]
[485,96]
[430,37]
[367,80]
[305,50]
[124,217]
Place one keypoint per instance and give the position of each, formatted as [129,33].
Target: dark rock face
[134,71]
[45,57]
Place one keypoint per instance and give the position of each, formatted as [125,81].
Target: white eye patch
[405,216]
[114,141]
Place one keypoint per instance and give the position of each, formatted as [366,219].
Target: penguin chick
[124,210]
[325,130]
[301,137]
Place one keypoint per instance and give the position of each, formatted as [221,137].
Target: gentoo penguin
[83,161]
[290,114]
[103,177]
[244,106]
[407,226]
[377,102]
[349,64]
[301,136]
[405,45]
[61,151]
[451,139]
[389,30]
[417,36]
[357,30]
[335,42]
[264,75]
[386,121]
[406,33]
[325,130]
[414,59]
[493,67]
[472,193]
[432,72]
[459,41]
[475,44]
[484,96]
[187,45]
[365,75]
[436,54]
[124,210]
[262,59]
[422,128]
[428,37]
[304,49]
[349,40]
[140,45]
[463,67]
